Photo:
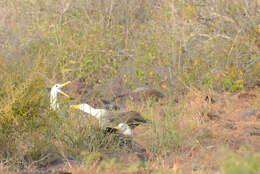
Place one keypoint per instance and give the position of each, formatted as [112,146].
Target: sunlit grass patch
[246,163]
[166,130]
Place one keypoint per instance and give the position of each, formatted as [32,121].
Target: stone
[229,125]
[213,116]
[252,131]
[247,113]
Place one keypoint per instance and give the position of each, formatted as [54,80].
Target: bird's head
[57,89]
[124,129]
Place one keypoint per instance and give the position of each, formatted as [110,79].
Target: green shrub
[238,163]
[166,132]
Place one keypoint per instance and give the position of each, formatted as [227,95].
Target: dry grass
[189,50]
[191,153]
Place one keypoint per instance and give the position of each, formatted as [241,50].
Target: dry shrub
[160,44]
[138,42]
[197,107]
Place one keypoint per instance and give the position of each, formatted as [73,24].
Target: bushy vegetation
[168,45]
[242,163]
[139,42]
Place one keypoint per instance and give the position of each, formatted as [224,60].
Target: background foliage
[118,45]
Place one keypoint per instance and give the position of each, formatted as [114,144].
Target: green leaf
[139,73]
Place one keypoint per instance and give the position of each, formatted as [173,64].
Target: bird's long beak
[64,84]
[116,127]
[75,106]
[63,93]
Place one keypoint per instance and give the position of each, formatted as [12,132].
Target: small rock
[229,125]
[221,111]
[246,95]
[211,147]
[140,89]
[213,116]
[251,131]
[210,99]
[247,113]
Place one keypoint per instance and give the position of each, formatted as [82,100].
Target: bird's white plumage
[54,94]
[53,98]
[109,118]
[124,129]
[98,113]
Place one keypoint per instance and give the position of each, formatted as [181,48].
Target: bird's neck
[53,100]
[127,132]
[92,111]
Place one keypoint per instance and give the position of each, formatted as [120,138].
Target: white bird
[54,93]
[124,129]
[109,119]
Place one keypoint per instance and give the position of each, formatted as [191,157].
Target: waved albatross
[121,128]
[110,119]
[124,129]
[54,95]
